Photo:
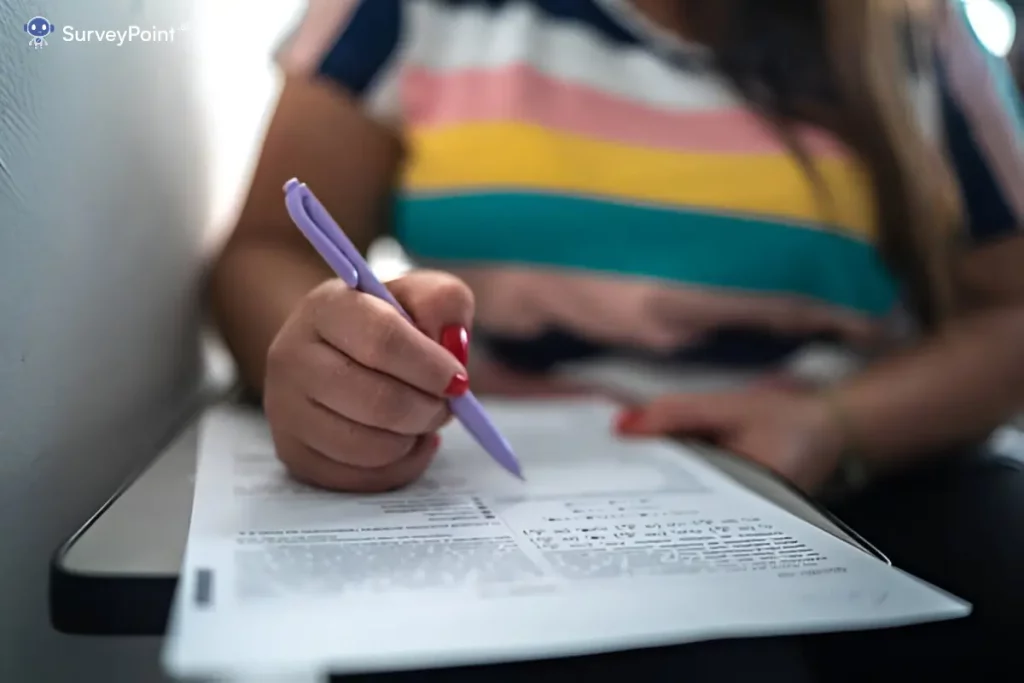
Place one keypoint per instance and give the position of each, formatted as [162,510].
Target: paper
[608,545]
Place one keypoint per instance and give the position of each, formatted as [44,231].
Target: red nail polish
[458,386]
[629,422]
[455,338]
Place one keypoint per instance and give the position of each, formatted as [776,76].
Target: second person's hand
[355,394]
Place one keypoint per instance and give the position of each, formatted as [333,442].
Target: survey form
[608,545]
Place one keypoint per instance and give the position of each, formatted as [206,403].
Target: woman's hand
[640,312]
[355,394]
[782,426]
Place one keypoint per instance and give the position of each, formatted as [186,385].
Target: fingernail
[458,386]
[629,422]
[455,338]
[434,440]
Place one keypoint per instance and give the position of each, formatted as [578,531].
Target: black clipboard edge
[827,514]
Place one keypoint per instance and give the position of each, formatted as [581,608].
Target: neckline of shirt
[632,20]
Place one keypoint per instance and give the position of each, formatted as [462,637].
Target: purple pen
[324,233]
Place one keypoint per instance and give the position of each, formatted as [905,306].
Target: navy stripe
[369,39]
[988,213]
[728,347]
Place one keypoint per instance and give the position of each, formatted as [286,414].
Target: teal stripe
[681,246]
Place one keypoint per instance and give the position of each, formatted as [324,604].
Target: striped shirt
[566,151]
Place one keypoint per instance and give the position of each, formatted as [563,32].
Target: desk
[116,576]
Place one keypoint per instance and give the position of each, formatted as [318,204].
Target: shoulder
[982,123]
[319,28]
[390,21]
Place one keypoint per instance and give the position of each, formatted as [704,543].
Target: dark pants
[957,523]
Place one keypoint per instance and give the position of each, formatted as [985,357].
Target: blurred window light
[236,41]
[994,24]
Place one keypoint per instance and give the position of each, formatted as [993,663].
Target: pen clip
[333,244]
[298,200]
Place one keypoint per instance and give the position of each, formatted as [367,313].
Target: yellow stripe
[530,157]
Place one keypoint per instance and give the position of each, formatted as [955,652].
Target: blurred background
[121,168]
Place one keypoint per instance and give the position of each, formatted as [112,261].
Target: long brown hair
[847,65]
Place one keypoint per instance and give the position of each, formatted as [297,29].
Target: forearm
[253,289]
[953,388]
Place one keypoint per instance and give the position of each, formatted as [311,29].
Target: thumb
[440,304]
[696,414]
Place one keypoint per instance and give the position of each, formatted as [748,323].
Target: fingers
[313,467]
[322,447]
[334,436]
[354,392]
[696,414]
[365,396]
[374,335]
[435,300]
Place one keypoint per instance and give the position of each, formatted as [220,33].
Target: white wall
[102,204]
[119,168]
[238,83]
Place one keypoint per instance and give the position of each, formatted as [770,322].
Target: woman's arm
[320,136]
[962,383]
[333,129]
[952,389]
[956,386]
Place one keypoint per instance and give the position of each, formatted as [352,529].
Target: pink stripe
[972,85]
[523,94]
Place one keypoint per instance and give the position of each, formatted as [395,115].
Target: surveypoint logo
[38,28]
[120,36]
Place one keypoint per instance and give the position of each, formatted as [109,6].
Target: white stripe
[384,98]
[444,38]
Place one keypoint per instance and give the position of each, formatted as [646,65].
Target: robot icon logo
[38,28]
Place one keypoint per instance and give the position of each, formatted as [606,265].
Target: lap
[731,661]
[957,523]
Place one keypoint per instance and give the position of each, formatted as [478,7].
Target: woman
[687,180]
